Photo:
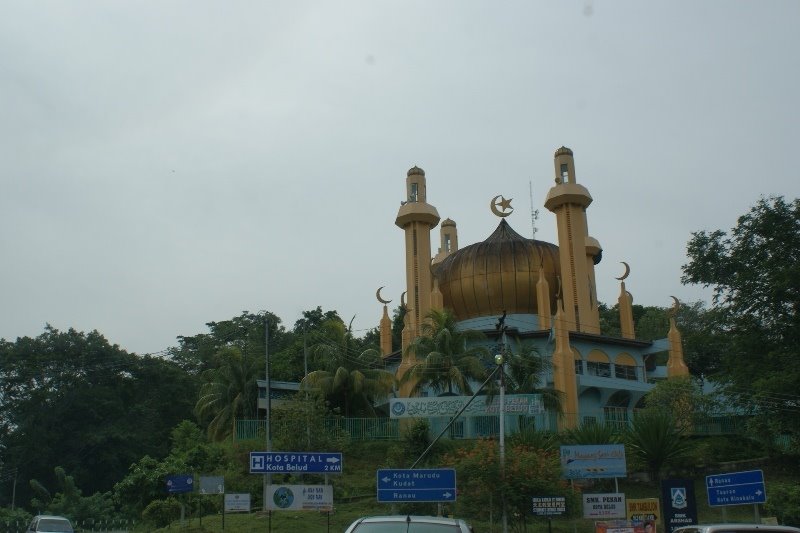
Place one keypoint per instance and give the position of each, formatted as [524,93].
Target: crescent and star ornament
[403,299]
[380,299]
[504,205]
[627,271]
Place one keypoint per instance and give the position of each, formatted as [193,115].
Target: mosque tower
[416,218]
[578,252]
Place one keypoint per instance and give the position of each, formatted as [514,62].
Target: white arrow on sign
[447,495]
[332,459]
[386,479]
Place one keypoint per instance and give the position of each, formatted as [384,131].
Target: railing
[619,418]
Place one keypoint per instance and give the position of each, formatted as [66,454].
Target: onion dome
[498,274]
[415,170]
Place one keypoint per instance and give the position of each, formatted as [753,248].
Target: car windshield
[403,527]
[54,526]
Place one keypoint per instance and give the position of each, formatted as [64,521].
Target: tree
[349,380]
[755,275]
[524,370]
[449,357]
[655,439]
[683,397]
[229,392]
[73,399]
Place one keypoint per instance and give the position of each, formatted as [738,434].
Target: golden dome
[498,274]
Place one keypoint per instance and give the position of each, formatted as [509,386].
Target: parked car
[736,528]
[50,524]
[409,524]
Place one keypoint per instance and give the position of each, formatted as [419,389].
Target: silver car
[409,524]
[50,524]
[736,528]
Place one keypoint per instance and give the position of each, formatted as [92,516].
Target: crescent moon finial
[675,306]
[403,299]
[504,205]
[380,299]
[627,271]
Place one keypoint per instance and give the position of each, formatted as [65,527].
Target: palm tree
[524,370]
[348,380]
[229,391]
[655,438]
[447,362]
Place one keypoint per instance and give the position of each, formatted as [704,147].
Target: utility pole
[500,360]
[267,477]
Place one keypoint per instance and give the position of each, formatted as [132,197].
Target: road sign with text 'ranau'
[417,485]
[736,488]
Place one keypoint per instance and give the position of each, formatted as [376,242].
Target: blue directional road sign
[418,485]
[295,462]
[736,488]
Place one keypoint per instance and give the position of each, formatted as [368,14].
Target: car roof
[738,527]
[51,517]
[414,518]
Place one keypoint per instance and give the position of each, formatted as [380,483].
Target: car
[736,528]
[409,524]
[44,523]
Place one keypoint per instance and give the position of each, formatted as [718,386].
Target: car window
[403,527]
[54,526]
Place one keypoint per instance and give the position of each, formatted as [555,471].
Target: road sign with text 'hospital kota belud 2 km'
[295,462]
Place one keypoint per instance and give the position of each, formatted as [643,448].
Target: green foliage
[784,503]
[68,500]
[447,359]
[755,275]
[229,391]
[160,513]
[539,440]
[349,380]
[528,470]
[299,424]
[683,397]
[525,368]
[655,439]
[591,433]
[415,440]
[72,399]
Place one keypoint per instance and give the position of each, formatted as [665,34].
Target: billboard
[593,461]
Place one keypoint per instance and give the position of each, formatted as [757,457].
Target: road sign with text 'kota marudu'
[417,485]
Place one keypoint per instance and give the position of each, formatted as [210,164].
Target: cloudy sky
[166,164]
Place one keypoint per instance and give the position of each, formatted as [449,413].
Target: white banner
[300,498]
[237,503]
[604,505]
[515,404]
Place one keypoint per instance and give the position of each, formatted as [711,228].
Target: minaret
[448,240]
[416,217]
[676,366]
[578,252]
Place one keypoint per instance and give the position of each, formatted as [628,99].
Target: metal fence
[619,418]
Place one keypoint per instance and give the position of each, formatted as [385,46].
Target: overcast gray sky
[170,163]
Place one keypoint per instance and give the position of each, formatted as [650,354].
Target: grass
[355,492]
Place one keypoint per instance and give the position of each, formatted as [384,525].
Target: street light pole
[502,413]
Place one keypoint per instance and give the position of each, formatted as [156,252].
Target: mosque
[546,293]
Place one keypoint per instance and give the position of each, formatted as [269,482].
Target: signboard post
[604,506]
[418,485]
[549,506]
[593,461]
[680,506]
[736,488]
[295,463]
[300,498]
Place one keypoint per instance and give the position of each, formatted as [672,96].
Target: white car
[50,524]
[736,528]
[409,524]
